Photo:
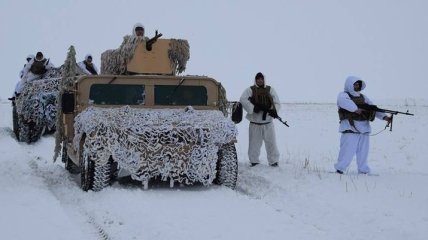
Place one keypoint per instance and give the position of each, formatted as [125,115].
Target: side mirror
[67,100]
[237,112]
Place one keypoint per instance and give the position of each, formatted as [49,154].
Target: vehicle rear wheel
[15,120]
[227,166]
[24,131]
[29,131]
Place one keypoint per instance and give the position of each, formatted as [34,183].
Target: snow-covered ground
[298,200]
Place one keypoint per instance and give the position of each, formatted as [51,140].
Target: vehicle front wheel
[227,166]
[96,175]
[87,172]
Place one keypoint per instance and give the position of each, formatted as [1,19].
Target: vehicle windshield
[117,94]
[181,95]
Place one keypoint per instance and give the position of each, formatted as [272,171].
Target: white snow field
[39,199]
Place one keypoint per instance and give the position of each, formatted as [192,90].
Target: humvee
[149,125]
[34,110]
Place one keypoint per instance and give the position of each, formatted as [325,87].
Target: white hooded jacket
[83,66]
[345,102]
[22,72]
[138,25]
[29,76]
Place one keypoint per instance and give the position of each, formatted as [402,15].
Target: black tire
[104,174]
[227,166]
[15,120]
[95,175]
[114,170]
[36,131]
[24,131]
[29,131]
[69,165]
[50,109]
[87,170]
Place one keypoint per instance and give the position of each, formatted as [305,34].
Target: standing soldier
[87,66]
[261,104]
[29,57]
[355,126]
[35,69]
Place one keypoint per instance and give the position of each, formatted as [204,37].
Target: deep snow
[298,200]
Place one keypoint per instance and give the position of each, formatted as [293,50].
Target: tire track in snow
[264,183]
[55,186]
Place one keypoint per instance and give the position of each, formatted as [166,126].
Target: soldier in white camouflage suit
[261,103]
[354,126]
[35,69]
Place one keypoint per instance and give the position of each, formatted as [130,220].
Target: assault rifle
[271,112]
[369,107]
[152,40]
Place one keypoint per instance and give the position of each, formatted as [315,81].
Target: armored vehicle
[149,125]
[35,108]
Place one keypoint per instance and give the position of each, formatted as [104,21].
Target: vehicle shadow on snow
[158,184]
[252,181]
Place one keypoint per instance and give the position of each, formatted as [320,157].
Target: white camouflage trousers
[258,134]
[353,144]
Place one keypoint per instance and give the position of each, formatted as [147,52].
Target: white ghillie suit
[355,137]
[114,61]
[177,144]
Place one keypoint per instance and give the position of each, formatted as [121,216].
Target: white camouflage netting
[177,144]
[37,102]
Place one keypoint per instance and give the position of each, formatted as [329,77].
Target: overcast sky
[305,48]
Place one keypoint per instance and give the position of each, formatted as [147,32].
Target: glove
[273,113]
[252,100]
[388,119]
[256,109]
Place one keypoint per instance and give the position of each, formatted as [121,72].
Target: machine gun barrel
[375,108]
[392,112]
